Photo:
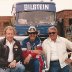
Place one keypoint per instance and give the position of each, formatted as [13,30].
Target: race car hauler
[40,14]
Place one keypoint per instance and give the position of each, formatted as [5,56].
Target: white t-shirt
[10,45]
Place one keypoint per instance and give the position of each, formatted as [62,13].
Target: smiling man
[10,52]
[55,49]
[32,55]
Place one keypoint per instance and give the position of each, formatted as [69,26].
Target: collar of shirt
[8,43]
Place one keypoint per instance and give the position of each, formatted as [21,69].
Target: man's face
[32,36]
[9,35]
[52,34]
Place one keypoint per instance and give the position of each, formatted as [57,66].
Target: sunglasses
[51,33]
[32,32]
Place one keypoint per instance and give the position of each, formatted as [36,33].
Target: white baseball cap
[32,29]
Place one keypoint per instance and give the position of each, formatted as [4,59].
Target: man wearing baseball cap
[32,55]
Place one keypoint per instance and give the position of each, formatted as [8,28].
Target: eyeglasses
[32,32]
[51,33]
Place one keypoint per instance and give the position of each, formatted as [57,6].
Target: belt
[54,61]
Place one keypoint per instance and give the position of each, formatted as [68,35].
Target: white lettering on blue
[36,6]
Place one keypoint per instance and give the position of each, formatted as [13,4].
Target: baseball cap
[32,29]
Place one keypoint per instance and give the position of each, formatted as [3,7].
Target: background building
[4,21]
[64,21]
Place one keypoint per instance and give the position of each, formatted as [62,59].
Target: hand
[12,64]
[68,61]
[27,59]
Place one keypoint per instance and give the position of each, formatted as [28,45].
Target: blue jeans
[36,65]
[55,67]
[33,65]
[19,68]
[65,69]
[4,70]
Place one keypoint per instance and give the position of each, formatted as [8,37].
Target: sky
[6,5]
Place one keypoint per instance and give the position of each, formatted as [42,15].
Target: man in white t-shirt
[55,49]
